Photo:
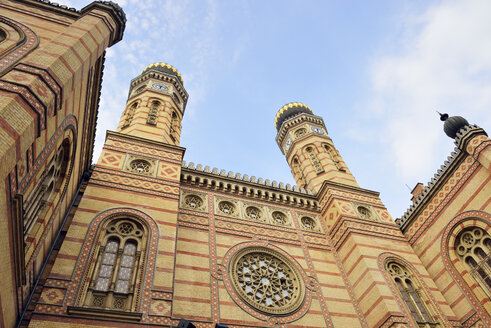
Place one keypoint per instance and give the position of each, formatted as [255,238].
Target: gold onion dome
[164,68]
[290,110]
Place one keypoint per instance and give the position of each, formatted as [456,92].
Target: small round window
[226,207]
[308,223]
[279,218]
[140,166]
[193,201]
[253,213]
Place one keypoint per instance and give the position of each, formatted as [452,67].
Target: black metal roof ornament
[452,124]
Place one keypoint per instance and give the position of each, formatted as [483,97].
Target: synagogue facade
[142,238]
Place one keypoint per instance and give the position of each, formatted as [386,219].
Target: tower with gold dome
[310,152]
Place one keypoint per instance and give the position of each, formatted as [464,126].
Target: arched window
[313,159]
[298,174]
[48,187]
[129,114]
[153,113]
[3,35]
[173,126]
[112,283]
[473,247]
[411,293]
[333,155]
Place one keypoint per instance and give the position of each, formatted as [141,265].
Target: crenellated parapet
[246,185]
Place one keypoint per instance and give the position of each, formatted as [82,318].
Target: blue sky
[376,71]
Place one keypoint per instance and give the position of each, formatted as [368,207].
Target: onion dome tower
[155,106]
[310,152]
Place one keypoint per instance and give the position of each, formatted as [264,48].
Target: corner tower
[156,103]
[310,152]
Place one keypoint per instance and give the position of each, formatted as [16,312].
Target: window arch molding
[66,132]
[452,263]
[89,258]
[433,308]
[19,41]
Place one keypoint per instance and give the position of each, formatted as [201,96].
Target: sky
[375,71]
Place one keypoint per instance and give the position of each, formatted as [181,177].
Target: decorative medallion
[193,201]
[253,213]
[140,165]
[279,218]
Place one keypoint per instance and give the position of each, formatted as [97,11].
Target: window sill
[105,313]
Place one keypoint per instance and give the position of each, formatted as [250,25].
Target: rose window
[253,213]
[140,166]
[279,218]
[226,207]
[308,223]
[193,202]
[267,281]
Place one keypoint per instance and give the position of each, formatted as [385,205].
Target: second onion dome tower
[310,152]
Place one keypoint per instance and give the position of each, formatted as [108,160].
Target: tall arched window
[153,114]
[173,126]
[112,284]
[129,114]
[45,191]
[473,247]
[411,293]
[297,173]
[334,157]
[313,159]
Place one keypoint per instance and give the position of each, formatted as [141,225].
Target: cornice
[289,123]
[336,185]
[249,186]
[164,77]
[144,140]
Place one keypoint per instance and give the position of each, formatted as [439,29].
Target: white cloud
[443,63]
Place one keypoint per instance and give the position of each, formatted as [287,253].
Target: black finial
[443,117]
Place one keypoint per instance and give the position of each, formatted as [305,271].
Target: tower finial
[443,117]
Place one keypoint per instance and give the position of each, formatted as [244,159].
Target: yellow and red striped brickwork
[50,86]
[50,78]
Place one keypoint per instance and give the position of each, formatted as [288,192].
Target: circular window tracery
[226,207]
[267,281]
[140,166]
[193,201]
[253,213]
[364,212]
[308,223]
[279,218]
